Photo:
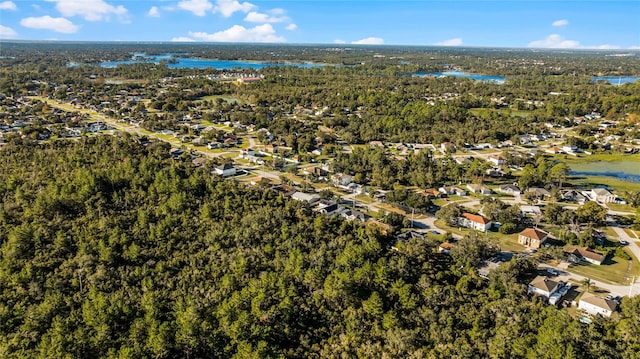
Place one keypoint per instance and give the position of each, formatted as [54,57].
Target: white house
[225,170]
[595,305]
[341,179]
[511,189]
[497,160]
[543,286]
[305,197]
[602,195]
[452,190]
[474,221]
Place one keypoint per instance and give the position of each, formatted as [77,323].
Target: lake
[478,77]
[616,80]
[198,63]
[624,170]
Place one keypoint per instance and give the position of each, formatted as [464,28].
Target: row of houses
[553,291]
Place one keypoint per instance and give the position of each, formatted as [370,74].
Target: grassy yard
[615,270]
[621,207]
[507,242]
[364,198]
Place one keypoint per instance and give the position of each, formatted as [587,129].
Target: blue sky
[507,23]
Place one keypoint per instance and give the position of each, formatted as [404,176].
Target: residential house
[474,221]
[532,237]
[595,305]
[511,189]
[328,207]
[175,152]
[530,210]
[432,193]
[403,237]
[452,190]
[261,181]
[447,147]
[445,247]
[543,286]
[341,179]
[569,149]
[584,253]
[315,172]
[305,197]
[198,161]
[479,189]
[496,160]
[553,150]
[573,196]
[225,170]
[541,193]
[602,195]
[284,190]
[354,215]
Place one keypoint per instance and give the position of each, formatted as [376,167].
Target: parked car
[552,272]
[624,243]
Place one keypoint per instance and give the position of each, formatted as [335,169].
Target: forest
[111,249]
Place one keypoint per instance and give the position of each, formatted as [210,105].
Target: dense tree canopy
[110,249]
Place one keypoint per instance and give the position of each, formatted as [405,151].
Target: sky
[573,24]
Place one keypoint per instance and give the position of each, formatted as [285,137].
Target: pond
[616,80]
[197,63]
[478,77]
[626,170]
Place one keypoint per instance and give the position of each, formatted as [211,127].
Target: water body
[616,80]
[478,77]
[198,63]
[624,170]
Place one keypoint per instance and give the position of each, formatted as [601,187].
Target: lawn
[507,242]
[621,207]
[364,198]
[615,270]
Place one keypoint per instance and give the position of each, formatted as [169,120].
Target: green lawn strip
[616,184]
[613,271]
[621,207]
[364,198]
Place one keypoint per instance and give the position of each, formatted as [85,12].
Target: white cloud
[604,47]
[57,24]
[291,27]
[228,7]
[560,23]
[555,41]
[154,12]
[182,39]
[8,5]
[457,41]
[264,18]
[339,41]
[369,41]
[634,47]
[7,32]
[197,7]
[91,10]
[237,33]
